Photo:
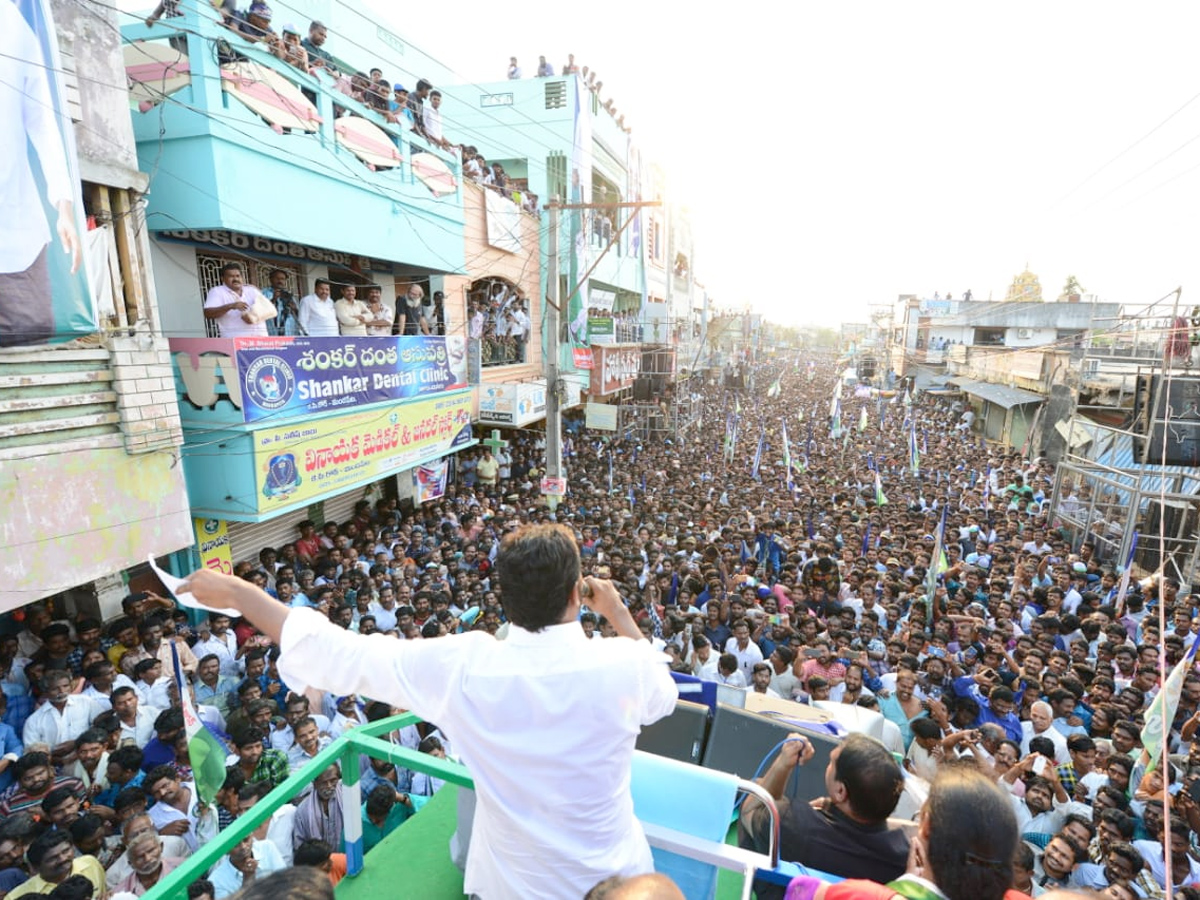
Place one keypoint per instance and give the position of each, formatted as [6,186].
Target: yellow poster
[309,460]
[212,539]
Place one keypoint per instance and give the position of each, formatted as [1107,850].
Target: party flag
[205,753]
[880,498]
[758,453]
[862,420]
[1125,575]
[914,455]
[937,565]
[1161,714]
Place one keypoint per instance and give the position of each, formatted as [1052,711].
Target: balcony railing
[259,146]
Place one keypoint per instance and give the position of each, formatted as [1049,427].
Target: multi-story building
[1014,359]
[89,434]
[258,163]
[626,276]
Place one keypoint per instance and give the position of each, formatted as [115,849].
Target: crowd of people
[1024,687]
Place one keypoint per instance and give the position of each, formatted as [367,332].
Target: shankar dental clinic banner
[283,377]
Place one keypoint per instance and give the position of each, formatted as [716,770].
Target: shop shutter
[246,539]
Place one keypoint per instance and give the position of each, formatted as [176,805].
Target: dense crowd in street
[784,546]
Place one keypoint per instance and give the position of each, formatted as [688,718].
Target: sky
[837,155]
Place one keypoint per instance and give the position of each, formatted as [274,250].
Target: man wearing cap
[548,721]
[256,27]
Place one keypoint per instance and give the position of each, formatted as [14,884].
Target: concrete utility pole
[554,482]
[554,467]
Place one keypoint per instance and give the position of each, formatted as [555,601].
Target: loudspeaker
[1168,414]
[1176,522]
[739,740]
[643,389]
[680,736]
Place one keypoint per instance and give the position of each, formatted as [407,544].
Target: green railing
[345,752]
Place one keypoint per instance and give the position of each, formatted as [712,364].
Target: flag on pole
[914,455]
[631,500]
[205,751]
[758,453]
[835,427]
[937,565]
[1123,589]
[610,471]
[866,544]
[862,420]
[1161,714]
[987,490]
[880,498]
[774,390]
[787,457]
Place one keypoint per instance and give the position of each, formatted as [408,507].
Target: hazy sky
[839,154]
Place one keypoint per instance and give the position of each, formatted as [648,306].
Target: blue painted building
[253,161]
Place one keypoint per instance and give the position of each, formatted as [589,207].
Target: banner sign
[305,461]
[44,292]
[212,540]
[429,480]
[514,405]
[602,330]
[601,416]
[616,367]
[285,377]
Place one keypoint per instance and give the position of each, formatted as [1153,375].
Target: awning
[999,394]
[1075,434]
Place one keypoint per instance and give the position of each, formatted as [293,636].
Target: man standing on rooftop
[545,720]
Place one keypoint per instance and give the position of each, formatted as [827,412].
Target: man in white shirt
[318,317]
[528,752]
[383,315]
[137,721]
[240,310]
[61,719]
[432,116]
[1041,724]
[746,651]
[221,642]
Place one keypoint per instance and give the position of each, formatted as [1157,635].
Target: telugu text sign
[302,462]
[284,377]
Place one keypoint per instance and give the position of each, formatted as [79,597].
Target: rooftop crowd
[1016,704]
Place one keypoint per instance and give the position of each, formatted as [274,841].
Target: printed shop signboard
[615,367]
[285,377]
[305,461]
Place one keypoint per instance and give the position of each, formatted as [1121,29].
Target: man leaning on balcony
[352,313]
[240,310]
[318,317]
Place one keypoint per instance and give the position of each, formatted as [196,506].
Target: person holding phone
[548,722]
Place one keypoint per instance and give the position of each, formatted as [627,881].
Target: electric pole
[554,481]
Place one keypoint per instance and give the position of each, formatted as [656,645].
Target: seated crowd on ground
[1031,668]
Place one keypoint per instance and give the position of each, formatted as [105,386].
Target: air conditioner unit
[1024,334]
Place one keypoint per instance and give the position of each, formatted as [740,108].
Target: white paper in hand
[184,598]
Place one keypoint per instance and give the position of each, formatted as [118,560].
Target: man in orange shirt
[319,855]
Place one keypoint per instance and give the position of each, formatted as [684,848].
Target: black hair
[312,853]
[199,888]
[73,887]
[381,800]
[44,843]
[129,757]
[168,720]
[34,759]
[872,779]
[538,568]
[972,836]
[57,797]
